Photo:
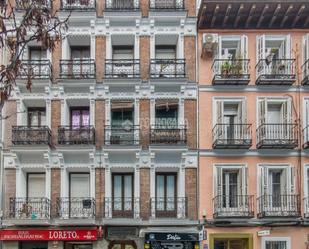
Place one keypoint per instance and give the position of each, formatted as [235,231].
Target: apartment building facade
[253,118]
[102,153]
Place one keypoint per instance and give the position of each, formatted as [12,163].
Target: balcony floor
[277,144]
[286,80]
[230,80]
[236,144]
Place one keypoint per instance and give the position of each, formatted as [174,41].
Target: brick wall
[99,191]
[56,57]
[144,122]
[144,7]
[55,120]
[191,193]
[56,4]
[99,123]
[9,188]
[189,44]
[145,193]
[190,7]
[55,190]
[100,7]
[100,52]
[10,112]
[144,56]
[190,106]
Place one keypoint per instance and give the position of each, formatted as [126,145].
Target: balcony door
[166,194]
[37,54]
[278,187]
[230,119]
[122,200]
[78,53]
[35,185]
[231,244]
[80,117]
[166,114]
[123,61]
[80,204]
[81,65]
[230,188]
[36,117]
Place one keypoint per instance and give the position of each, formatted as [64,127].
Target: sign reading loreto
[36,234]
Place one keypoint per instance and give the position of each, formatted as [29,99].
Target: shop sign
[49,235]
[172,237]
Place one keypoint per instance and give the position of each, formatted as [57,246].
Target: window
[275,111]
[166,113]
[122,113]
[80,52]
[165,52]
[123,52]
[79,185]
[166,192]
[232,47]
[276,243]
[36,117]
[230,183]
[35,185]
[37,53]
[306,48]
[231,243]
[122,192]
[230,112]
[80,117]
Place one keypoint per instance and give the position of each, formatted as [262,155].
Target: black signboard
[171,237]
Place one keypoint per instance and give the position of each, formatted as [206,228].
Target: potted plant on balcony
[269,58]
[226,68]
[25,210]
[237,65]
[163,66]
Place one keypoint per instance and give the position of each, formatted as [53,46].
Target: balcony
[277,136]
[78,5]
[30,208]
[77,69]
[166,5]
[122,5]
[122,69]
[169,207]
[306,137]
[275,72]
[121,135]
[35,135]
[120,207]
[167,68]
[305,70]
[36,69]
[231,72]
[76,207]
[279,206]
[69,135]
[239,206]
[21,4]
[232,136]
[161,135]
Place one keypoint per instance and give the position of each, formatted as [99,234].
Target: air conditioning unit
[209,43]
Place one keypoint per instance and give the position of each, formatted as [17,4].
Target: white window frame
[237,100]
[286,239]
[243,39]
[305,47]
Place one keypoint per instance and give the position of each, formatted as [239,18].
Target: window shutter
[288,54]
[264,180]
[219,48]
[306,52]
[219,110]
[284,181]
[245,180]
[260,40]
[244,46]
[292,179]
[218,181]
[262,111]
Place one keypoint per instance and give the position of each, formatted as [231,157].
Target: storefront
[172,240]
[38,238]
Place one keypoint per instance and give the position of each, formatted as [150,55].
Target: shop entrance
[76,245]
[122,245]
[231,244]
[33,245]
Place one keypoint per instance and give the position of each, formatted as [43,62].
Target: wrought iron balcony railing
[231,71]
[76,207]
[232,136]
[122,69]
[283,136]
[32,208]
[169,68]
[122,5]
[68,135]
[36,69]
[167,5]
[169,207]
[122,207]
[77,69]
[305,69]
[122,135]
[233,206]
[306,137]
[279,206]
[168,135]
[34,135]
[24,4]
[275,72]
[80,5]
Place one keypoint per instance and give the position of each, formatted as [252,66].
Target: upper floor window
[37,53]
[122,113]
[166,113]
[80,52]
[165,52]
[36,117]
[232,47]
[35,185]
[305,66]
[230,112]
[80,116]
[79,185]
[123,52]
[276,243]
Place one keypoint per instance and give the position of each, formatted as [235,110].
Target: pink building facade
[253,118]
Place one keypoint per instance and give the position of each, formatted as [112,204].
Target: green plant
[226,67]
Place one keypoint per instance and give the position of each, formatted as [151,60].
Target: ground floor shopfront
[284,237]
[110,237]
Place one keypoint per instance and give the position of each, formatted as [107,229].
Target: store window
[33,245]
[74,245]
[276,243]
